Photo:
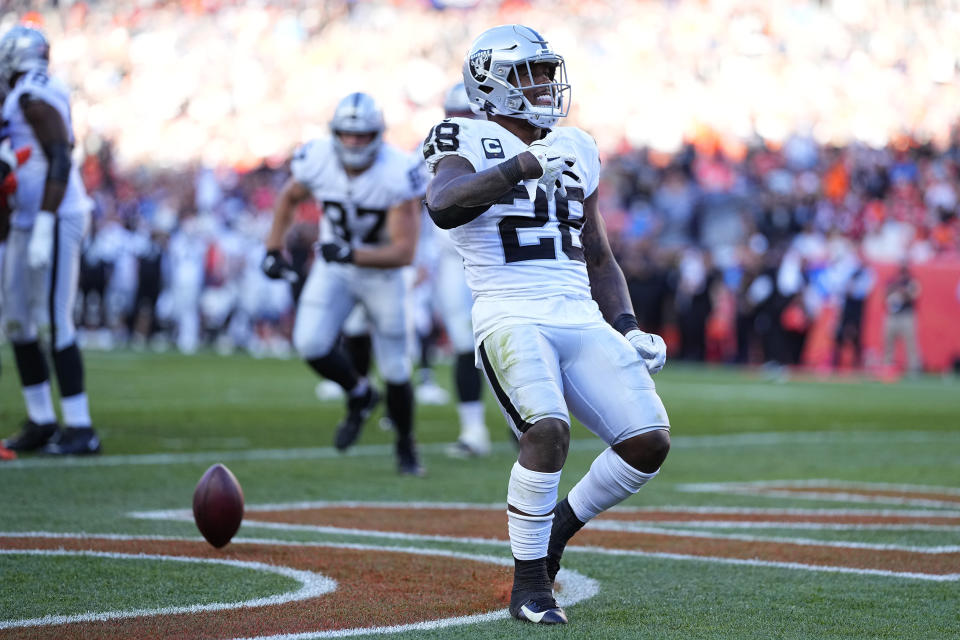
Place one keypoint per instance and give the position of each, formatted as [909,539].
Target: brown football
[218,505]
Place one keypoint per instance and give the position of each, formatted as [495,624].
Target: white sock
[609,481]
[473,429]
[471,417]
[76,413]
[39,403]
[535,494]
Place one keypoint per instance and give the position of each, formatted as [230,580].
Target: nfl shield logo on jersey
[480,64]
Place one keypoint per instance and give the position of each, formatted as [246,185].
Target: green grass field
[165,418]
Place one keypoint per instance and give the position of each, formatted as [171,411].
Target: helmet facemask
[357,114]
[543,114]
[499,58]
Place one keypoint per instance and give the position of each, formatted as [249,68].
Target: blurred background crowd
[769,166]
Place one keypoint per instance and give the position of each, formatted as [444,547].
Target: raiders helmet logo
[480,64]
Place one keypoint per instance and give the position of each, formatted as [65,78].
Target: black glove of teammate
[336,252]
[276,267]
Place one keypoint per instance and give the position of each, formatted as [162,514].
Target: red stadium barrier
[938,320]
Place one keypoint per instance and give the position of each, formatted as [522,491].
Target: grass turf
[261,418]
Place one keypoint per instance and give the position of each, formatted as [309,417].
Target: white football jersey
[32,175]
[523,260]
[355,208]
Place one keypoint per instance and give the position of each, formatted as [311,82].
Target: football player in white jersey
[42,260]
[552,318]
[368,233]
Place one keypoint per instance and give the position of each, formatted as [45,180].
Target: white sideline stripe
[312,585]
[813,526]
[782,489]
[576,587]
[502,506]
[597,525]
[817,482]
[608,525]
[947,577]
[758,439]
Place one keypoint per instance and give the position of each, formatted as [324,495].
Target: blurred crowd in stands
[758,156]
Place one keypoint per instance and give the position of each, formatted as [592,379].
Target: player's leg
[324,304]
[521,366]
[356,344]
[387,303]
[609,389]
[78,436]
[22,289]
[455,301]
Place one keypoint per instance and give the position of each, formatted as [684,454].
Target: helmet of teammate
[495,62]
[457,104]
[22,49]
[358,113]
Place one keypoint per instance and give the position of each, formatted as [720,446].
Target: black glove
[276,267]
[336,252]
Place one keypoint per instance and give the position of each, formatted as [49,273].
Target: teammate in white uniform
[368,233]
[42,259]
[521,203]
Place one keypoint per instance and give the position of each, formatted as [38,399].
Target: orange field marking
[487,523]
[375,588]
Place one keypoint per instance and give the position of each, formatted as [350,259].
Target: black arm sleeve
[455,216]
[58,158]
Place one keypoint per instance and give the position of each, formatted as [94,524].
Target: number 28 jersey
[523,259]
[355,208]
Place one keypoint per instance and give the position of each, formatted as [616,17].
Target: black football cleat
[32,436]
[539,608]
[408,464]
[358,410]
[73,441]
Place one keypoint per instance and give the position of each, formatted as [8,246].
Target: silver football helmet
[493,65]
[457,102]
[22,49]
[357,113]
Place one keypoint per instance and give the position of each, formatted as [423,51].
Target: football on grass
[218,505]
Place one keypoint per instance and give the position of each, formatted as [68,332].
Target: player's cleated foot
[462,449]
[73,441]
[358,410]
[7,454]
[32,436]
[539,608]
[408,464]
[328,390]
[430,393]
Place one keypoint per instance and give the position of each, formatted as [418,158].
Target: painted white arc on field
[575,587]
[312,585]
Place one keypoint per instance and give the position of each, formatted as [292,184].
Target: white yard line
[759,439]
